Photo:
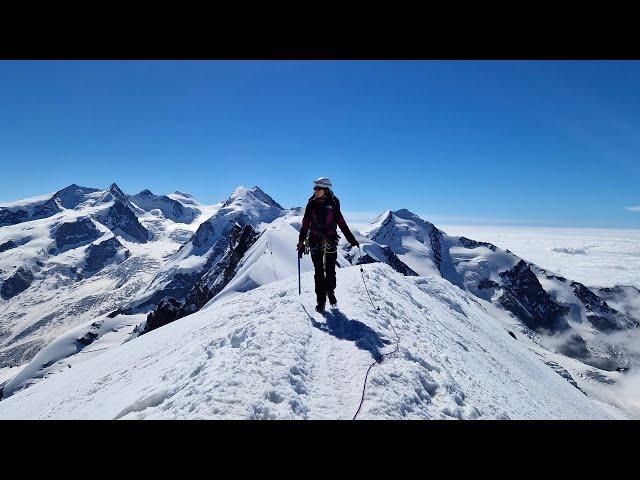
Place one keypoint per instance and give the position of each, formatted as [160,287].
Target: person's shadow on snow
[339,326]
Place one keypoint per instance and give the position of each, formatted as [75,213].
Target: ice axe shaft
[299,288]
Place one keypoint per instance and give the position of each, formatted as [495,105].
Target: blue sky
[536,143]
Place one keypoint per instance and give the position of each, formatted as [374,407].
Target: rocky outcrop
[120,218]
[469,243]
[397,264]
[560,370]
[241,237]
[15,215]
[624,298]
[100,254]
[7,246]
[523,295]
[16,283]
[74,234]
[599,313]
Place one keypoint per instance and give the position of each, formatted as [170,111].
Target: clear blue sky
[549,143]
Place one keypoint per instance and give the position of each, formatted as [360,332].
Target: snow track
[266,354]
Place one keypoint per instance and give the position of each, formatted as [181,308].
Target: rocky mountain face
[100,254]
[208,286]
[624,298]
[198,262]
[73,256]
[545,303]
[120,217]
[522,294]
[16,283]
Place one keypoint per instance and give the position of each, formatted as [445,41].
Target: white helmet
[323,182]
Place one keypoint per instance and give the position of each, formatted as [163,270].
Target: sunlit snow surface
[595,257]
[266,354]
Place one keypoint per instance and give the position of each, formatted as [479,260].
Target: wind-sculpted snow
[264,355]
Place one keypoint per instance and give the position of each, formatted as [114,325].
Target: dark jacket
[321,219]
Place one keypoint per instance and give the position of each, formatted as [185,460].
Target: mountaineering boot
[332,299]
[320,307]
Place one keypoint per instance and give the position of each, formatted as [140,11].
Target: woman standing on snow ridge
[321,218]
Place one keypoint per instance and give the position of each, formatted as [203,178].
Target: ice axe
[299,257]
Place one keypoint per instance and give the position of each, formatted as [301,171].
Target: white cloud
[633,209]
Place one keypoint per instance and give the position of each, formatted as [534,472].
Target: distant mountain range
[84,270]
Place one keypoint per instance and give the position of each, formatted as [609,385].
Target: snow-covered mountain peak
[171,208]
[394,228]
[114,193]
[254,196]
[408,215]
[185,198]
[115,189]
[74,195]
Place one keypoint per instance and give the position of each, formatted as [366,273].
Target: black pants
[324,261]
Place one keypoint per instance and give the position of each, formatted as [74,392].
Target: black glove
[300,247]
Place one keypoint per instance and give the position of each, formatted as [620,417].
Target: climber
[321,218]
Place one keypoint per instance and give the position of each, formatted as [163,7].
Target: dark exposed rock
[47,209]
[624,298]
[512,334]
[74,234]
[7,246]
[217,277]
[469,243]
[599,313]
[397,264]
[98,255]
[435,238]
[364,259]
[16,283]
[120,217]
[487,283]
[87,338]
[560,370]
[524,296]
[12,217]
[11,244]
[390,258]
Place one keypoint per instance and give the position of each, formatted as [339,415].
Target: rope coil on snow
[382,356]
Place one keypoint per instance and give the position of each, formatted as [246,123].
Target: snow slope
[264,354]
